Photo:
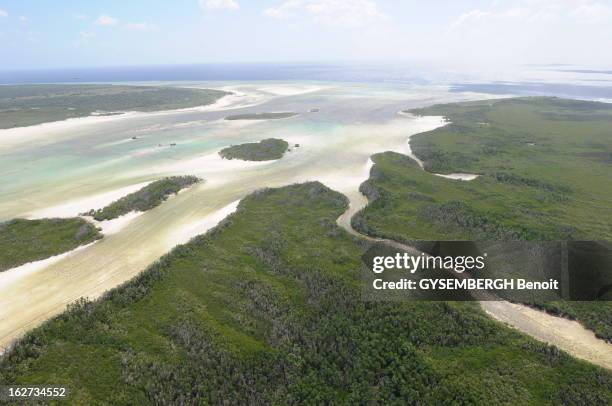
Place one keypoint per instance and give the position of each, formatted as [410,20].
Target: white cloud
[538,11]
[470,16]
[106,20]
[285,10]
[330,12]
[593,12]
[219,4]
[23,19]
[3,13]
[514,32]
[141,26]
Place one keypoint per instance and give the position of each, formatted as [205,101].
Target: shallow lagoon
[60,169]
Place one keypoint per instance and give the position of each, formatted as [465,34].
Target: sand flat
[568,335]
[335,149]
[74,208]
[458,176]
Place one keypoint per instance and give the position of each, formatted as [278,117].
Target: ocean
[551,80]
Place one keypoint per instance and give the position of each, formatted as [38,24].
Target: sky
[468,34]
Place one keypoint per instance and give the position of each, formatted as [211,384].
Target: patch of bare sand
[568,335]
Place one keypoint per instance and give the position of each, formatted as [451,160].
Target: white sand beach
[13,274]
[291,90]
[452,176]
[74,208]
[14,137]
[197,227]
[110,227]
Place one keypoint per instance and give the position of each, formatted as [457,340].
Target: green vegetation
[261,116]
[23,105]
[410,205]
[518,135]
[266,309]
[407,204]
[23,241]
[560,148]
[264,150]
[145,199]
[545,166]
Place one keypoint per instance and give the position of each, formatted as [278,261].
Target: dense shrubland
[266,309]
[543,177]
[23,241]
[146,198]
[264,150]
[23,105]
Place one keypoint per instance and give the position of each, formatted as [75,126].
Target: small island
[261,116]
[23,241]
[144,199]
[265,150]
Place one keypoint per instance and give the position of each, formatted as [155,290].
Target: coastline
[198,227]
[125,253]
[18,272]
[10,137]
[74,208]
[236,99]
[110,227]
[452,176]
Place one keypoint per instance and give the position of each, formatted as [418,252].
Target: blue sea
[546,80]
[217,72]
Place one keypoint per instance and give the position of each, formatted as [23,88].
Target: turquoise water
[64,169]
[79,160]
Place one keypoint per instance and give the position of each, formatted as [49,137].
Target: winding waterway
[568,335]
